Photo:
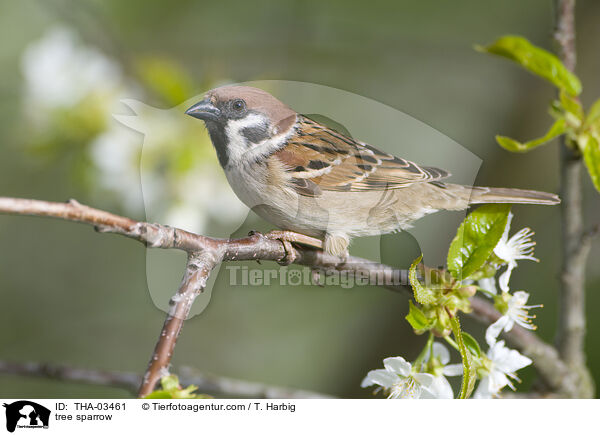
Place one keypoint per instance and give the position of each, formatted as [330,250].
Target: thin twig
[208,384]
[572,321]
[128,381]
[222,386]
[194,280]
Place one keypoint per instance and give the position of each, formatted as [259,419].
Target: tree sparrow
[305,177]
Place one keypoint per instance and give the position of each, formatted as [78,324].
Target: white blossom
[115,153]
[59,70]
[399,380]
[440,386]
[501,367]
[517,312]
[518,247]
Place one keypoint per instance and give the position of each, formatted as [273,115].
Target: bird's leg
[289,237]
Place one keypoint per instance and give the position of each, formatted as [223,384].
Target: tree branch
[205,252]
[572,323]
[197,270]
[209,384]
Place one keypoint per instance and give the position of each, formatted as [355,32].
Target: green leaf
[422,294]
[170,382]
[571,106]
[170,389]
[159,394]
[536,60]
[590,147]
[476,238]
[593,115]
[472,344]
[559,127]
[469,372]
[417,319]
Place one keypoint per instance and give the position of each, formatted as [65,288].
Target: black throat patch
[219,141]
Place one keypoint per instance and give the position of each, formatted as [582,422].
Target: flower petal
[498,380]
[493,331]
[483,389]
[507,360]
[453,370]
[505,277]
[441,389]
[398,365]
[379,377]
[514,361]
[441,352]
[519,298]
[402,392]
[425,379]
[504,239]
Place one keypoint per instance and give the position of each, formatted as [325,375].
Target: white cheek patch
[238,144]
[241,151]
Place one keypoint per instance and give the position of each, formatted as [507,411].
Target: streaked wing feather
[317,156]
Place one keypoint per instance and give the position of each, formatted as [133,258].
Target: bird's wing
[318,158]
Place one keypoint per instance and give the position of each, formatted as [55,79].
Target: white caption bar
[24,416]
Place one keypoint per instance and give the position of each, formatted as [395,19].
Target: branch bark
[198,268]
[575,245]
[205,252]
[208,384]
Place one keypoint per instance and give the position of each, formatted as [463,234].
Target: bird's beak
[204,110]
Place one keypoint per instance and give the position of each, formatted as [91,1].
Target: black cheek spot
[255,134]
[317,164]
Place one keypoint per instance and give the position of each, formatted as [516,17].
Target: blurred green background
[69,295]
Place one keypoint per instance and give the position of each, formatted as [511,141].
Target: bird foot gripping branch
[287,238]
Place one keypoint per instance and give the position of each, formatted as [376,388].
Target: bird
[320,186]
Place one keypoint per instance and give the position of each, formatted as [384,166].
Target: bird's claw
[287,238]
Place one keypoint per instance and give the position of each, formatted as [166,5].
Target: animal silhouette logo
[26,414]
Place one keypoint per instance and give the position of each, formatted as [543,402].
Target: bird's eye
[238,105]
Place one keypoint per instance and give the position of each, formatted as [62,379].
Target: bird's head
[244,123]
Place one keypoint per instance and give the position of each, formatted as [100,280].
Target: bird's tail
[487,195]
